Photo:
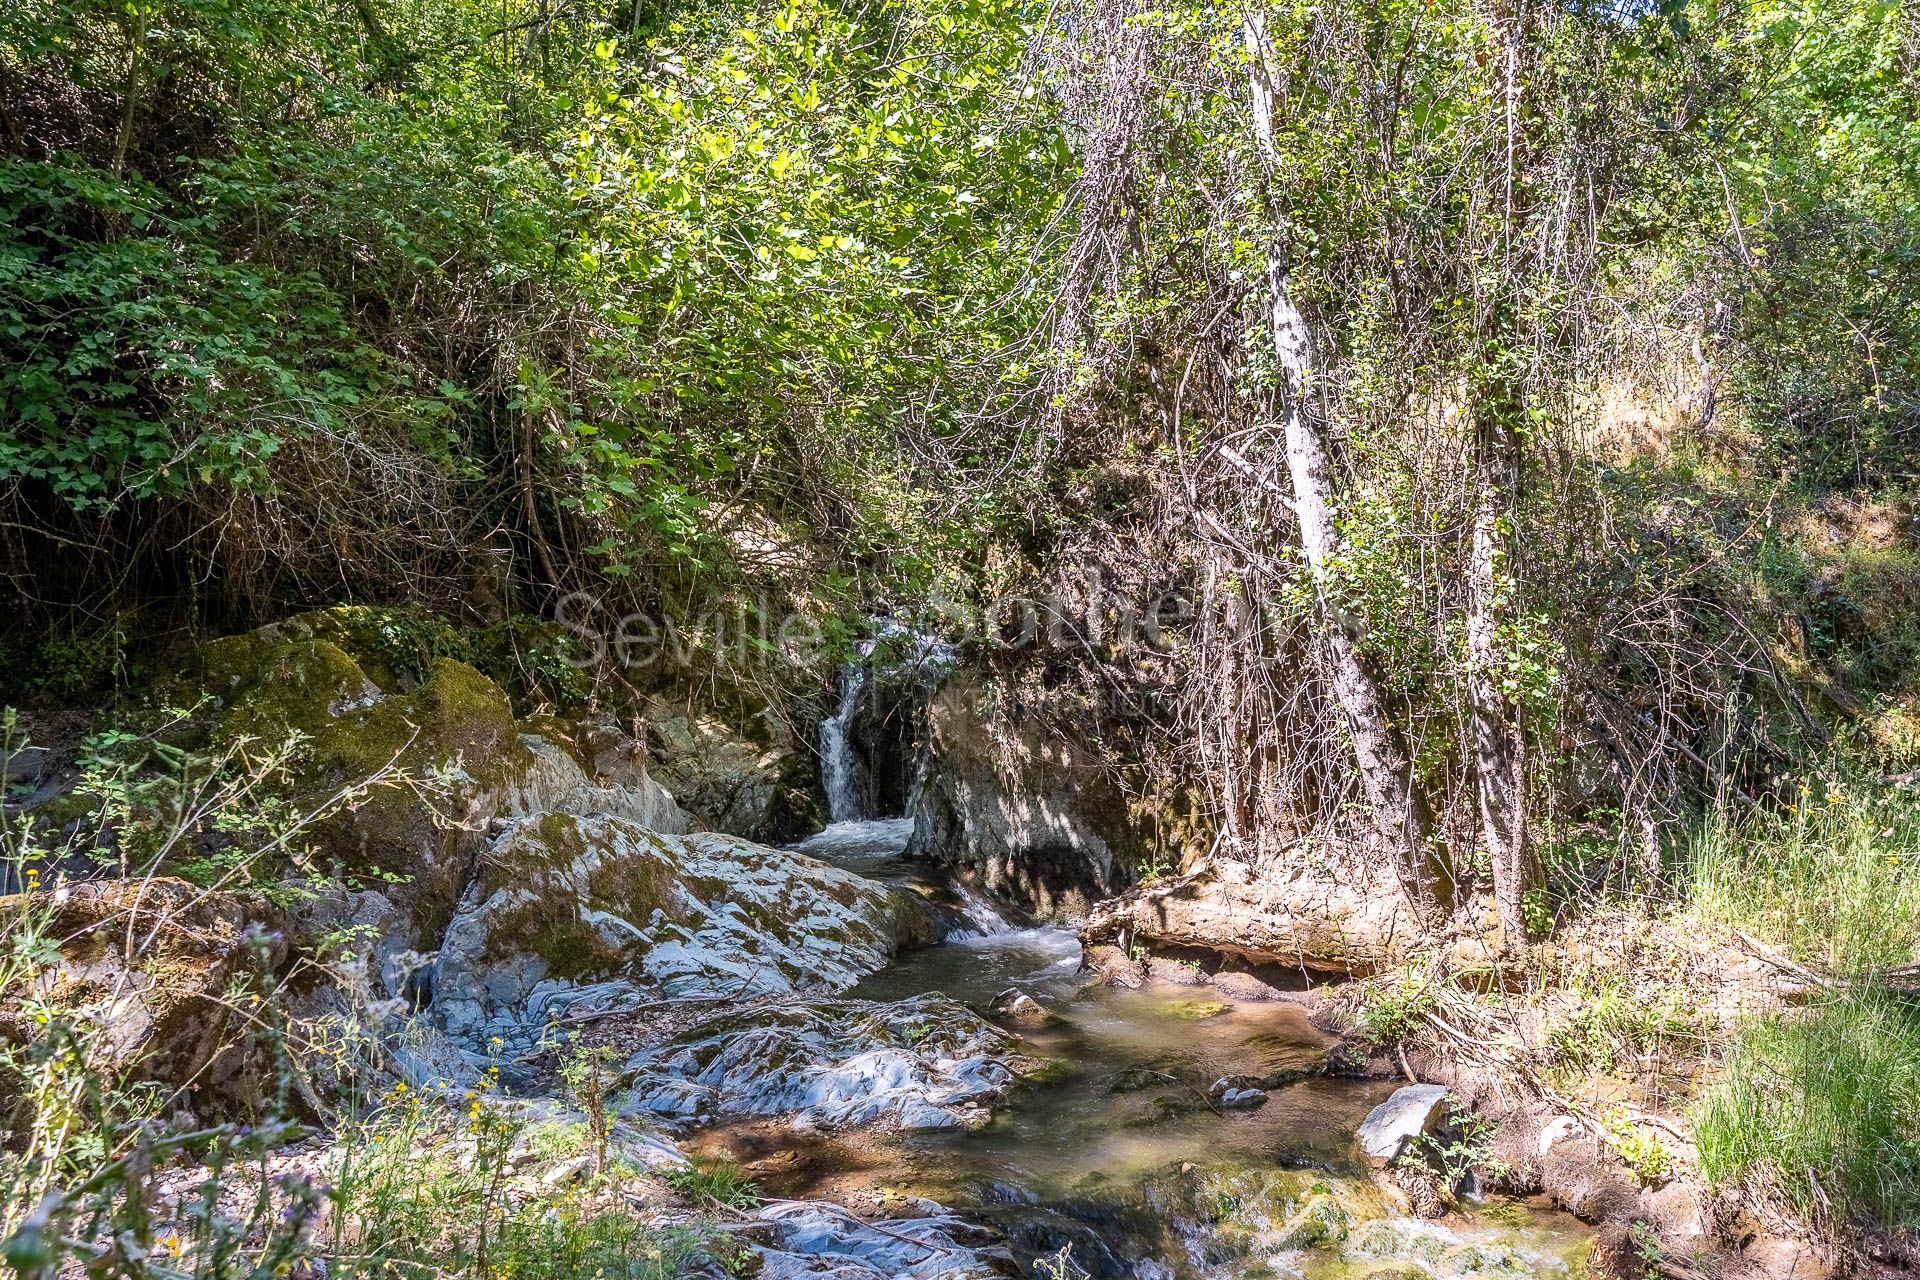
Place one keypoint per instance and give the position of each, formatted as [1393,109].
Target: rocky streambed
[984,1106]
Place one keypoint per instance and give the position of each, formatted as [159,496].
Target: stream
[1112,1161]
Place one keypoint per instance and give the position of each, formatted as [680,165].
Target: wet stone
[1392,1126]
[927,1063]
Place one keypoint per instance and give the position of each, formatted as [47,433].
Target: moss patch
[396,645]
[448,744]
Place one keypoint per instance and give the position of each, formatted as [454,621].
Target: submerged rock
[1237,1093]
[566,908]
[1015,1005]
[925,1063]
[1392,1126]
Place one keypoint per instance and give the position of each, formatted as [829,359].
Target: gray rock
[1393,1125]
[813,1239]
[22,764]
[1237,1093]
[735,782]
[925,1063]
[569,913]
[1026,814]
[554,782]
[922,1117]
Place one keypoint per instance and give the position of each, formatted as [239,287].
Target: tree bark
[1380,755]
[1499,746]
[130,99]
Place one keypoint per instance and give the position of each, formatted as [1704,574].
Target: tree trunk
[1386,768]
[1499,408]
[1381,756]
[130,98]
[1498,744]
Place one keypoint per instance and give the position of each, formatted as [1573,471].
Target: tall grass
[1834,879]
[1820,1111]
[1817,1110]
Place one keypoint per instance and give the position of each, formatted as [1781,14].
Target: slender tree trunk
[1380,754]
[1499,746]
[1385,766]
[130,98]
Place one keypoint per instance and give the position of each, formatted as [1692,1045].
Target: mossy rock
[455,722]
[569,944]
[443,751]
[271,691]
[533,660]
[395,645]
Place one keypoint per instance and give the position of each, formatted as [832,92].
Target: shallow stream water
[1115,1155]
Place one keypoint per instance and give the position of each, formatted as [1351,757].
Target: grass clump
[718,1182]
[1607,1024]
[1394,1006]
[1819,1112]
[437,1182]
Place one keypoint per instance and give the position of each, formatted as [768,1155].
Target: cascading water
[1117,1162]
[842,775]
[853,789]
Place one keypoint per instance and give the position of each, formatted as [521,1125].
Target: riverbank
[1585,1060]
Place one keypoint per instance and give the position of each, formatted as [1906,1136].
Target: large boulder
[420,772]
[566,907]
[1299,914]
[735,783]
[425,761]
[1034,819]
[924,1063]
[556,780]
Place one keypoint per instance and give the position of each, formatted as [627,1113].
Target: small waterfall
[982,914]
[841,773]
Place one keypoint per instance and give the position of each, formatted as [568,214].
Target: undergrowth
[104,1170]
[1817,1109]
